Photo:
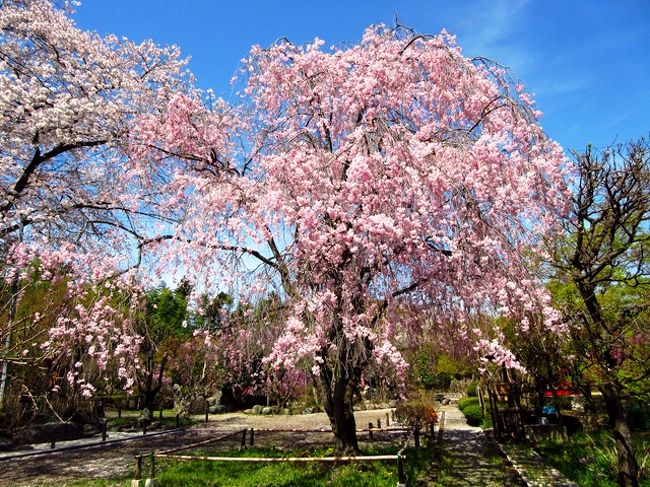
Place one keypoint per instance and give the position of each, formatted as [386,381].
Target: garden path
[468,457]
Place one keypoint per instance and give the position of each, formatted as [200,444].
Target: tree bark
[339,407]
[338,381]
[628,468]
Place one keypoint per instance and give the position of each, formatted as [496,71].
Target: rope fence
[172,453]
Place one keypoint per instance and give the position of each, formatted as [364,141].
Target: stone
[445,401]
[214,399]
[266,410]
[248,411]
[257,409]
[217,409]
[145,417]
[286,411]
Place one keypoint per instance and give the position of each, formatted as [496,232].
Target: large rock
[257,409]
[45,433]
[145,417]
[217,409]
[267,410]
[215,399]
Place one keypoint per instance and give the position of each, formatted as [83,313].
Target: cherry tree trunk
[628,468]
[338,382]
[338,405]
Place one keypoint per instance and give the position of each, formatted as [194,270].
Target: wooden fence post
[401,477]
[53,444]
[153,465]
[178,420]
[387,420]
[252,440]
[370,430]
[104,430]
[378,423]
[243,441]
[138,467]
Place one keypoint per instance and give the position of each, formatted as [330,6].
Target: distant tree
[196,369]
[214,311]
[163,329]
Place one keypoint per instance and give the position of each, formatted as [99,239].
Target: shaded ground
[116,461]
[532,467]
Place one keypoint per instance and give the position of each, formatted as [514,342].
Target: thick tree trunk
[149,398]
[338,380]
[628,468]
[338,403]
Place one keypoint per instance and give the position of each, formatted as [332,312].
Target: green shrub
[473,414]
[463,402]
[441,381]
[471,389]
[638,416]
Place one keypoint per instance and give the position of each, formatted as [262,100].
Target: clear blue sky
[587,62]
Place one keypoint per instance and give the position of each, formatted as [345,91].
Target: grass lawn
[381,473]
[589,459]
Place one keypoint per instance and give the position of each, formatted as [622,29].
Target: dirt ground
[111,461]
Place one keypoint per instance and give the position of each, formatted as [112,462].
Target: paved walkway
[469,458]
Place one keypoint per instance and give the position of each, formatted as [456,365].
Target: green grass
[203,473]
[590,459]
